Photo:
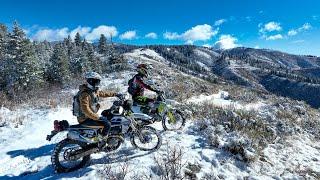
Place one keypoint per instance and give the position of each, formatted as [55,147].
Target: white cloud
[129,35]
[226,41]
[257,47]
[304,27]
[274,37]
[219,22]
[270,26]
[83,31]
[60,34]
[51,34]
[292,32]
[171,36]
[151,35]
[189,42]
[207,45]
[108,31]
[197,33]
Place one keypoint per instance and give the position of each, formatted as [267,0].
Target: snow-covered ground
[221,99]
[143,54]
[25,154]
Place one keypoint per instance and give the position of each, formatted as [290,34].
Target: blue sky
[291,26]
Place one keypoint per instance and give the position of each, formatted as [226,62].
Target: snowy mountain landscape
[242,121]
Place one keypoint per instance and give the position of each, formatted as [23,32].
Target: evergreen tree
[102,47]
[23,72]
[85,45]
[83,63]
[94,61]
[3,40]
[3,47]
[77,39]
[58,71]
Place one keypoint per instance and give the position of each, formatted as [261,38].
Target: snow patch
[202,54]
[144,54]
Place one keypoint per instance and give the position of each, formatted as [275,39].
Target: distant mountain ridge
[295,76]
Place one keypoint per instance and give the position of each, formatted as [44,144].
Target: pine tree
[3,40]
[58,71]
[23,71]
[94,61]
[3,44]
[77,39]
[102,47]
[83,63]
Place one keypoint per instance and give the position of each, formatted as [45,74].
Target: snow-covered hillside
[25,154]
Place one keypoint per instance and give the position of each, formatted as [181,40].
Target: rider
[137,85]
[88,98]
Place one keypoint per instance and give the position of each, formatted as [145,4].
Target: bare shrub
[119,172]
[191,170]
[169,166]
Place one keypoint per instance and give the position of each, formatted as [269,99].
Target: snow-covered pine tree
[3,40]
[44,51]
[3,48]
[94,61]
[83,63]
[58,71]
[77,39]
[102,46]
[78,61]
[22,71]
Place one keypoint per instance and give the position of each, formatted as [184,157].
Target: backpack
[76,111]
[131,89]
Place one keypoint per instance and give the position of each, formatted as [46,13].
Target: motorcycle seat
[78,126]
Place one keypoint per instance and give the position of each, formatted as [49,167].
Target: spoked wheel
[173,120]
[61,158]
[148,139]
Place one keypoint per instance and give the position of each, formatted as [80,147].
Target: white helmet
[93,79]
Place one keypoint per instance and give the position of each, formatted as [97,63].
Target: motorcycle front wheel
[173,120]
[146,139]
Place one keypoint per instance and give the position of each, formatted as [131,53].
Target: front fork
[163,109]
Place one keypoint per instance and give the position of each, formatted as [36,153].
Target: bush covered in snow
[245,133]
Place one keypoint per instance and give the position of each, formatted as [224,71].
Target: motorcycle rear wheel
[62,149]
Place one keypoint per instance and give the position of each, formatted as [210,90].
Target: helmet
[144,69]
[93,79]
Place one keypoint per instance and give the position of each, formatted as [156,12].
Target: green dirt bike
[171,118]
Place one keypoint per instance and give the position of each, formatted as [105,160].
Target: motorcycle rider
[88,106]
[137,85]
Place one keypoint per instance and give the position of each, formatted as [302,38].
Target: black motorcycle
[74,152]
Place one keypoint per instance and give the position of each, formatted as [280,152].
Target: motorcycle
[161,110]
[74,152]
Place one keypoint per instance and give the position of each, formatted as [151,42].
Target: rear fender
[58,126]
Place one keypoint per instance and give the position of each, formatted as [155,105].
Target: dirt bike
[74,152]
[161,110]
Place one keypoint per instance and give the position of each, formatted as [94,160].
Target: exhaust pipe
[76,136]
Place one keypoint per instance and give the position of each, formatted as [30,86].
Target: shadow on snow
[47,172]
